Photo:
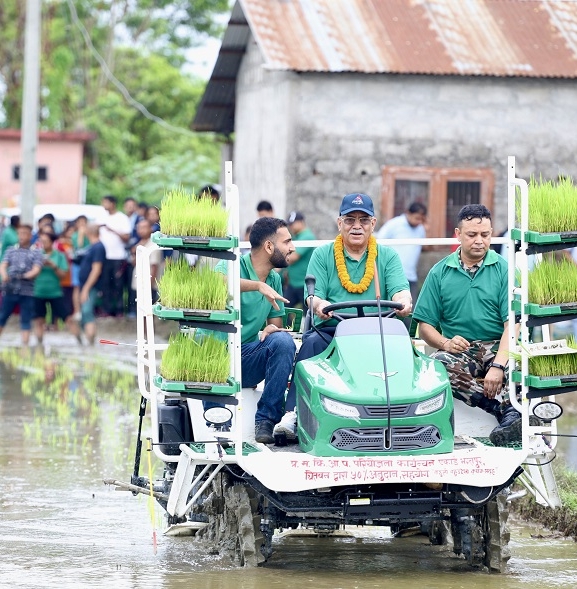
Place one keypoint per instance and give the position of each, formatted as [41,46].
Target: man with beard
[344,271]
[463,312]
[270,356]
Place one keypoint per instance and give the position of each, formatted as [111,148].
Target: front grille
[371,439]
[381,410]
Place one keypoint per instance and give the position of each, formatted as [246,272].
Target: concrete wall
[347,126]
[263,134]
[63,161]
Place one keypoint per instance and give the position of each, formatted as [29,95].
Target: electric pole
[30,105]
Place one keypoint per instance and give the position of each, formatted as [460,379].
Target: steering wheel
[360,308]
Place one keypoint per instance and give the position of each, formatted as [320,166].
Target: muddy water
[66,423]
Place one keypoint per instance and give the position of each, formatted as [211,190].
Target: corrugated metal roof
[529,38]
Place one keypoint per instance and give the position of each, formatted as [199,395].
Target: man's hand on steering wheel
[319,305]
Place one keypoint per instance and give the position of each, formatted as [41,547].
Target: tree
[141,43]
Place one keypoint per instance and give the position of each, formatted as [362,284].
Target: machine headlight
[430,405]
[342,409]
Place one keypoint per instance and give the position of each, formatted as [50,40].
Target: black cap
[295,216]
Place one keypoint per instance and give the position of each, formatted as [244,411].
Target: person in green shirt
[268,354]
[463,312]
[299,260]
[48,290]
[9,235]
[344,271]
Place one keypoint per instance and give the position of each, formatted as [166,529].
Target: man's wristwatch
[496,365]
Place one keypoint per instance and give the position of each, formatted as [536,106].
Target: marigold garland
[344,277]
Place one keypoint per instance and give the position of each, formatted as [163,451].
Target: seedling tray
[231,387]
[547,382]
[545,238]
[195,242]
[246,448]
[217,316]
[546,310]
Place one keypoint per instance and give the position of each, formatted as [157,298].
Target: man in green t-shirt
[299,260]
[344,271]
[463,312]
[9,235]
[268,356]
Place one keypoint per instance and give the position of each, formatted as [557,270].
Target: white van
[62,213]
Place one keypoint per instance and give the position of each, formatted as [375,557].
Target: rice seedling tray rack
[195,242]
[217,316]
[546,310]
[544,386]
[545,238]
[231,387]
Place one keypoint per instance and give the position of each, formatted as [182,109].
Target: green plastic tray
[246,448]
[231,387]
[547,382]
[545,310]
[545,238]
[216,316]
[197,242]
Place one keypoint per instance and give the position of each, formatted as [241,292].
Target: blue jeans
[9,302]
[270,360]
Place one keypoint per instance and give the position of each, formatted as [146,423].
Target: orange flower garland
[344,277]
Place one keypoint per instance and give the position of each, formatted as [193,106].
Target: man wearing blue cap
[344,271]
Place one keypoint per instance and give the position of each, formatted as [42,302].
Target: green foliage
[555,365]
[188,360]
[182,213]
[553,281]
[546,200]
[183,287]
[76,93]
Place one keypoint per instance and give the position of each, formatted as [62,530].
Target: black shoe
[263,431]
[510,428]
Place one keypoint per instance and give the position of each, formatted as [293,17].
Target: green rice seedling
[556,365]
[183,213]
[553,281]
[188,360]
[183,287]
[546,200]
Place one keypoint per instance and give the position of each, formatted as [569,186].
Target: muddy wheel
[496,534]
[233,517]
[483,537]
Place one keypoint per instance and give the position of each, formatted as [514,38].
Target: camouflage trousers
[467,371]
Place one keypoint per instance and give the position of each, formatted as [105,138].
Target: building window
[41,173]
[443,190]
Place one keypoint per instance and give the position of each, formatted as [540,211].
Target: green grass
[188,360]
[555,365]
[183,213]
[183,287]
[546,200]
[553,281]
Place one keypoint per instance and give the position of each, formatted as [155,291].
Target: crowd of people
[67,278]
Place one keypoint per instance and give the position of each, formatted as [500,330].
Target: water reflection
[69,422]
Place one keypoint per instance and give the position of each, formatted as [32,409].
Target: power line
[112,78]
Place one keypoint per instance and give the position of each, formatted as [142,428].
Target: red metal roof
[535,38]
[515,38]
